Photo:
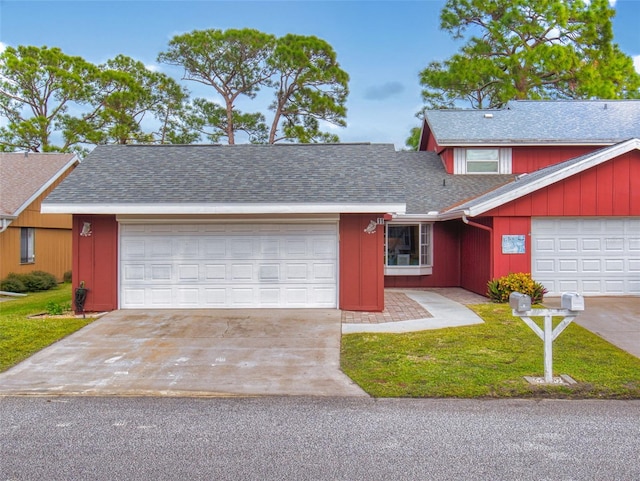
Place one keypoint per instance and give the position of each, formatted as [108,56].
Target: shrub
[32,282]
[66,277]
[40,281]
[55,309]
[12,284]
[498,290]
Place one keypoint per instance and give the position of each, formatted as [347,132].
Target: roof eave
[214,209]
[74,160]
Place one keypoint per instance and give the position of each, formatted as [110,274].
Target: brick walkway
[399,307]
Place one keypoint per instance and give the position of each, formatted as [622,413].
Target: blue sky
[383,45]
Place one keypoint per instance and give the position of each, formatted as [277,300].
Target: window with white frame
[27,244]
[476,160]
[482,161]
[408,249]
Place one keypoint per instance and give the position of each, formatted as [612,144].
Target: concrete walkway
[444,311]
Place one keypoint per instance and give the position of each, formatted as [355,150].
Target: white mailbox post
[571,302]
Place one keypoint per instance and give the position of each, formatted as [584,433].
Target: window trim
[27,245]
[494,151]
[460,160]
[425,240]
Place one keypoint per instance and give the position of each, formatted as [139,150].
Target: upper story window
[408,249]
[482,161]
[27,244]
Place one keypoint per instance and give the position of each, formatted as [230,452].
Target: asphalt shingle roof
[23,174]
[289,174]
[429,187]
[539,122]
[293,173]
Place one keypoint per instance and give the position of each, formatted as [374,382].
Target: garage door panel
[226,266]
[593,256]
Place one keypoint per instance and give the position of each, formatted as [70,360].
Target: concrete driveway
[192,352]
[616,319]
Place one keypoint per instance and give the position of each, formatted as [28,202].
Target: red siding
[530,159]
[95,261]
[610,189]
[446,260]
[475,262]
[507,263]
[361,264]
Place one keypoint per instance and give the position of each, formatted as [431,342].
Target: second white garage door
[228,265]
[590,255]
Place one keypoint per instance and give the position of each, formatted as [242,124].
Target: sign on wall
[513,244]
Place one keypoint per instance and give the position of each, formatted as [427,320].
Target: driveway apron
[192,352]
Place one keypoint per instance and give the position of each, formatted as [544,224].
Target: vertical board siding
[530,159]
[609,189]
[95,261]
[52,250]
[446,260]
[361,264]
[505,264]
[475,262]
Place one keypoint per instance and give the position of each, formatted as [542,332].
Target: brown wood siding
[52,248]
[31,216]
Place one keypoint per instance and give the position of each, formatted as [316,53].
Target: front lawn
[487,360]
[20,337]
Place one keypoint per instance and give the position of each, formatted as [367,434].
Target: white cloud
[3,46]
[636,63]
[152,68]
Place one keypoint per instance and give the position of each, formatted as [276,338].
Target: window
[27,253]
[408,249]
[482,160]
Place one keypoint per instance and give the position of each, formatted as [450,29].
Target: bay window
[408,249]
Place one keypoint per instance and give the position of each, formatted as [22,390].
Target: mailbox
[572,301]
[519,302]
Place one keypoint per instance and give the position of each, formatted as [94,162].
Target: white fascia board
[208,209]
[570,170]
[46,185]
[551,143]
[430,217]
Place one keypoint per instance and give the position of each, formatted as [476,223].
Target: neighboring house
[30,241]
[330,225]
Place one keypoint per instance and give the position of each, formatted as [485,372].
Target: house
[570,217]
[30,241]
[544,187]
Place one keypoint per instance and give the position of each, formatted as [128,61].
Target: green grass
[21,337]
[488,360]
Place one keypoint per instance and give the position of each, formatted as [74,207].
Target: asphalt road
[295,438]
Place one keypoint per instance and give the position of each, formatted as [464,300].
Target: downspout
[4,224]
[490,230]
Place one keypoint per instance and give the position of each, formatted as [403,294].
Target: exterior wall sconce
[86,230]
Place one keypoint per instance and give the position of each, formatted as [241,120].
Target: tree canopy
[529,49]
[308,85]
[57,102]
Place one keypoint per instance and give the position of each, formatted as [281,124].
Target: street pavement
[320,438]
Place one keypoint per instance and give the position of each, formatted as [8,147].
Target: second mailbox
[519,302]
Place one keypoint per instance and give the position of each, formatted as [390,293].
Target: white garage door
[228,265]
[589,255]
